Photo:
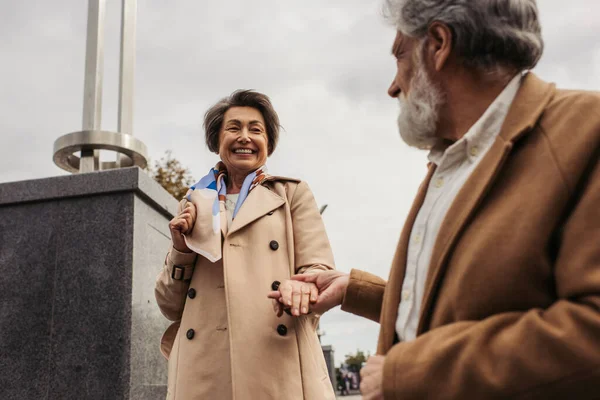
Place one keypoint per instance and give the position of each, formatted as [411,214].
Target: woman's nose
[244,136]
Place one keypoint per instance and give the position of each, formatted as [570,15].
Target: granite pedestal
[79,255]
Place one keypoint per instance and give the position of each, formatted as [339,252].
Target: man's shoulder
[570,125]
[569,100]
[573,116]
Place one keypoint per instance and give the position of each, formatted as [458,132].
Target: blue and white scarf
[208,196]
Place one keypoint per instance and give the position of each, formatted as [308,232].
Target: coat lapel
[527,107]
[391,298]
[259,202]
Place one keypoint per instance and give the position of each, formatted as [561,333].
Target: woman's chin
[247,165]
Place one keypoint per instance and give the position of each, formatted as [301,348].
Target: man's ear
[439,44]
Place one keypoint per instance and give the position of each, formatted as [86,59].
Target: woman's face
[243,141]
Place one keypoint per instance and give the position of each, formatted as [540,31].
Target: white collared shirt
[454,165]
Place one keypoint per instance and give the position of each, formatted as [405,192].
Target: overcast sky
[326,66]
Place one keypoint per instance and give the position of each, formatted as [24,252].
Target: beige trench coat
[226,341]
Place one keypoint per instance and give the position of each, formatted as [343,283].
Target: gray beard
[417,121]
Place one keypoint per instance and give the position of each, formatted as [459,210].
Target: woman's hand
[294,295]
[182,224]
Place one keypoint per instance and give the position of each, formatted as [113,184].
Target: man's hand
[330,284]
[182,224]
[371,383]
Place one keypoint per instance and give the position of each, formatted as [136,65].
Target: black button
[282,330]
[190,334]
[275,285]
[192,293]
[271,212]
[274,245]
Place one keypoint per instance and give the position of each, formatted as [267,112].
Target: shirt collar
[481,135]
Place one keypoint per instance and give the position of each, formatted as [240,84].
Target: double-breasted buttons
[275,285]
[274,245]
[190,334]
[282,330]
[192,293]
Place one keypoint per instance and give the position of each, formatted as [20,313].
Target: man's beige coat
[512,300]
[226,341]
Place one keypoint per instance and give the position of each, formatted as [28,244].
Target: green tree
[355,361]
[171,175]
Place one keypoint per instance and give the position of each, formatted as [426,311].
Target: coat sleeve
[312,251]
[364,295]
[551,353]
[170,293]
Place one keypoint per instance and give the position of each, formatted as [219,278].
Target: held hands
[329,286]
[182,224]
[294,296]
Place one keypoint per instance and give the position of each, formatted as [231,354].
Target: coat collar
[526,109]
[259,202]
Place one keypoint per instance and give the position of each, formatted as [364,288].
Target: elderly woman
[239,234]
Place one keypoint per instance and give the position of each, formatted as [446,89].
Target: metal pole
[127,68]
[92,90]
[92,139]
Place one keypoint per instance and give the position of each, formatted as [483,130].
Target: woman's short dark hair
[213,119]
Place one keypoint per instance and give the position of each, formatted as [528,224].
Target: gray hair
[487,34]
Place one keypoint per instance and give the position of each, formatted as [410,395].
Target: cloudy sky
[326,66]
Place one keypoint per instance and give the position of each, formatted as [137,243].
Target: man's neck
[467,98]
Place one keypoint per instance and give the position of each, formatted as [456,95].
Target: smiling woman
[242,144]
[214,117]
[239,235]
